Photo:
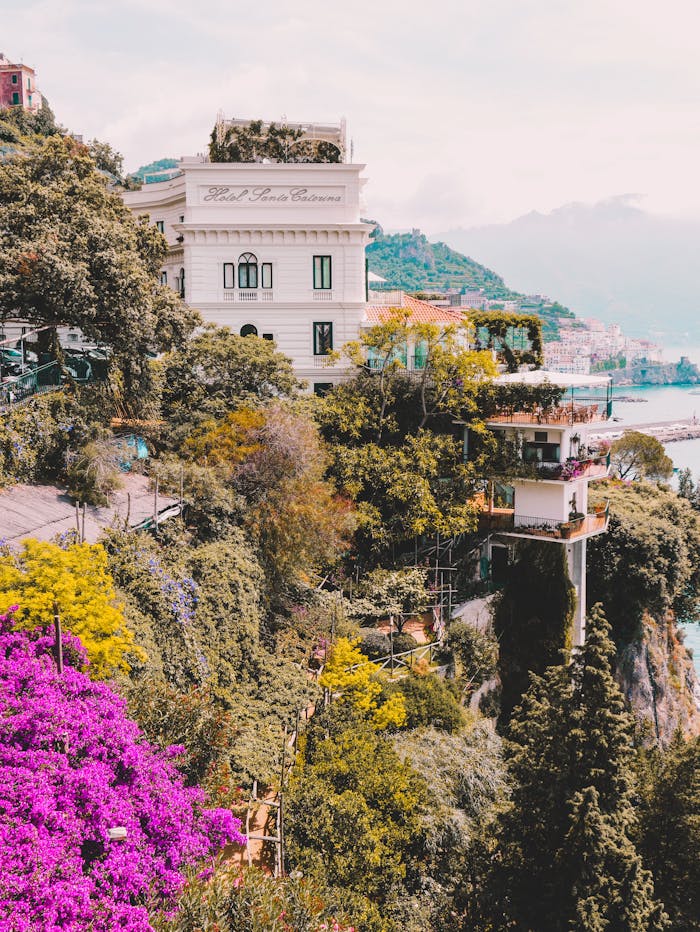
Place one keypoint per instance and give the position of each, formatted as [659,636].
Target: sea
[666,403]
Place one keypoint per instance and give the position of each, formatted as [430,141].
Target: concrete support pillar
[576,560]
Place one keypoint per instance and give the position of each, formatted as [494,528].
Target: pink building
[18,86]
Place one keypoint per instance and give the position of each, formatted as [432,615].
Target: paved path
[43,511]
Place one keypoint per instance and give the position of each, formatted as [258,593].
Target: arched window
[247,271]
[249,330]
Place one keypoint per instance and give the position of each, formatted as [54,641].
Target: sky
[466,112]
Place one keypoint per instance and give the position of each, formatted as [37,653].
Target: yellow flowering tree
[350,677]
[76,578]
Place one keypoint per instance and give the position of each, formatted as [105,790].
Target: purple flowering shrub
[73,766]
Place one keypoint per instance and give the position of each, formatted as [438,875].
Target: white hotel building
[273,249]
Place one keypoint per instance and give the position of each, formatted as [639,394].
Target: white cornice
[212,234]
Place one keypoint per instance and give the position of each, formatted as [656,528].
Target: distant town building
[18,86]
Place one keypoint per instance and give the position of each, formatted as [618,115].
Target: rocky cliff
[658,679]
[649,373]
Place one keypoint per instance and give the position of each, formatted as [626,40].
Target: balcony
[565,415]
[505,521]
[322,361]
[322,294]
[248,296]
[597,467]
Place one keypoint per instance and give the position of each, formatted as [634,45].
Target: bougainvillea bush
[72,767]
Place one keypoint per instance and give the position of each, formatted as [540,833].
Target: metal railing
[42,379]
[507,521]
[595,467]
[559,414]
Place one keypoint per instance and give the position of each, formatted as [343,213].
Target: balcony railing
[560,414]
[596,467]
[505,521]
[322,361]
[322,294]
[248,295]
[42,379]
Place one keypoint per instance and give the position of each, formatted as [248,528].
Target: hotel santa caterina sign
[331,195]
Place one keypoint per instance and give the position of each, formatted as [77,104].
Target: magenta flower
[72,767]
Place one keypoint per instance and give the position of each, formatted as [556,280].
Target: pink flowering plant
[72,767]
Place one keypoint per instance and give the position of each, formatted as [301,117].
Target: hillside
[410,262]
[611,260]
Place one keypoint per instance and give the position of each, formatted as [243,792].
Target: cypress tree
[670,830]
[565,858]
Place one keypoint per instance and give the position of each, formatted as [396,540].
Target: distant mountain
[610,260]
[408,261]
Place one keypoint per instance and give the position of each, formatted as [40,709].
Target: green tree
[476,653]
[72,254]
[640,456]
[216,371]
[77,580]
[566,858]
[106,158]
[649,560]
[354,809]
[670,828]
[532,631]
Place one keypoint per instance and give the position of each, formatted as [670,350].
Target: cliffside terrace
[505,521]
[551,398]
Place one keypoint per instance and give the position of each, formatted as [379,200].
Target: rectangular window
[266,273]
[164,278]
[15,97]
[323,338]
[29,84]
[541,436]
[268,336]
[322,388]
[322,272]
[247,275]
[182,219]
[160,226]
[14,78]
[229,280]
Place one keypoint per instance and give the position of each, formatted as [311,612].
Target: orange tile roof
[421,312]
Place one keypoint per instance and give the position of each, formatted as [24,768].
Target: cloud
[480,111]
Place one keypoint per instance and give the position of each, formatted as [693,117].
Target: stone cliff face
[657,676]
[668,373]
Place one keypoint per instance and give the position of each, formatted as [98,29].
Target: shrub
[429,701]
[403,642]
[93,473]
[375,644]
[72,766]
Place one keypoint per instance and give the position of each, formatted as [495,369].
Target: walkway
[44,511]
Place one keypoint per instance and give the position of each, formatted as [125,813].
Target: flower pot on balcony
[599,510]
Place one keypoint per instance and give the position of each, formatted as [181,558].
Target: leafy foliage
[218,370]
[258,141]
[430,702]
[566,858]
[635,455]
[532,632]
[72,767]
[648,560]
[77,579]
[516,337]
[93,473]
[354,808]
[352,680]
[669,837]
[71,253]
[476,653]
[410,262]
[253,901]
